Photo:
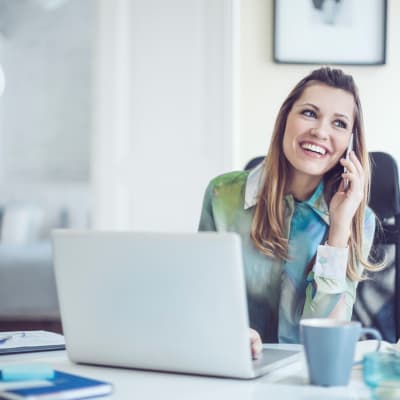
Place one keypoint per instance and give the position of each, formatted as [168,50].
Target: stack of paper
[28,341]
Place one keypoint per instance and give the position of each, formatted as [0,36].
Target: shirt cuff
[331,262]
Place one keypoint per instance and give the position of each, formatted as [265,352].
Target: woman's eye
[340,124]
[309,113]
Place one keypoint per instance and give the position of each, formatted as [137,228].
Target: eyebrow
[317,109]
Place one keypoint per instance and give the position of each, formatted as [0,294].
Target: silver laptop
[158,301]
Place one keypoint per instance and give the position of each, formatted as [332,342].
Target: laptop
[171,302]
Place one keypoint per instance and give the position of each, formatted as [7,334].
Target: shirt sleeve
[207,222]
[330,293]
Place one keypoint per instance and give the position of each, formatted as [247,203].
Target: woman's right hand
[255,344]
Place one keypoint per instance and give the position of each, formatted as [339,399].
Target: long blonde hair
[268,227]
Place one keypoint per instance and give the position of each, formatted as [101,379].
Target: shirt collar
[318,204]
[253,185]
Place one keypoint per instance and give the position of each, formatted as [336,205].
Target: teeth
[314,148]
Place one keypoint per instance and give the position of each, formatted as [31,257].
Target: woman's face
[318,130]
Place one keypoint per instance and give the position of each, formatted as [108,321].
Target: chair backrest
[378,299]
[385,192]
[253,162]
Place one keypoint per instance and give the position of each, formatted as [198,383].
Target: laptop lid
[160,301]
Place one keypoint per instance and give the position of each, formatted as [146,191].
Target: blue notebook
[62,386]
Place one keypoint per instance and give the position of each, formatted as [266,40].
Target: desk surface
[289,382]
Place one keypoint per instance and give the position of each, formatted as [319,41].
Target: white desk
[287,383]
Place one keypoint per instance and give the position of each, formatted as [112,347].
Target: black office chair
[378,299]
[253,163]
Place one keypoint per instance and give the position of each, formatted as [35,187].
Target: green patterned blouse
[279,293]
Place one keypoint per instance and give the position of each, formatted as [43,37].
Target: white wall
[165,109]
[264,84]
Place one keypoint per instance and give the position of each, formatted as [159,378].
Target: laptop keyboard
[272,355]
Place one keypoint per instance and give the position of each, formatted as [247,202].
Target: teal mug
[329,347]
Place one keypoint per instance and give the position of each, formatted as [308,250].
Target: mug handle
[372,332]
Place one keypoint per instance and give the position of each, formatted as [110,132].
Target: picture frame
[345,32]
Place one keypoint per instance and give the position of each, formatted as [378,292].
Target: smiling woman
[306,238]
[318,130]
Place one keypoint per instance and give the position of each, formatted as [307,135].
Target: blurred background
[116,114]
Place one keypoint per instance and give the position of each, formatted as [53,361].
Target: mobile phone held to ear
[349,149]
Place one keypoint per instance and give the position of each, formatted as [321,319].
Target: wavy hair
[268,227]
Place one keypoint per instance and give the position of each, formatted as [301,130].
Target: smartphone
[349,149]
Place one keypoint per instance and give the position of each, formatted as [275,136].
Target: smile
[313,148]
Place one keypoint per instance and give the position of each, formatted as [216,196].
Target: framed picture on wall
[330,32]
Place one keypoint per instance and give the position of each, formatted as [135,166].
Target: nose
[320,131]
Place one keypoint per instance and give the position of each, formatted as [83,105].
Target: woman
[306,238]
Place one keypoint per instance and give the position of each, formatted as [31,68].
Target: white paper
[23,385]
[30,339]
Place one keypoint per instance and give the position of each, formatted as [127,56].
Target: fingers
[353,164]
[356,163]
[256,344]
[353,172]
